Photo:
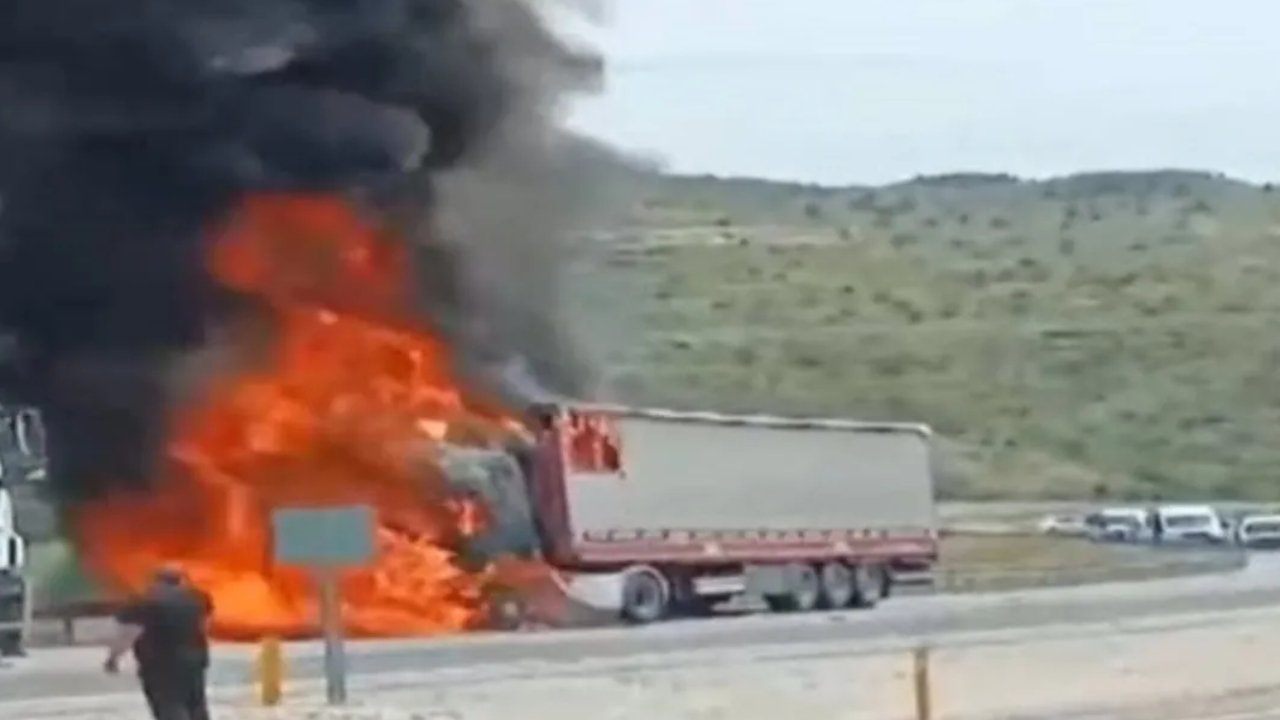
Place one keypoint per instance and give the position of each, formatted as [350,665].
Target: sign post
[335,661]
[326,541]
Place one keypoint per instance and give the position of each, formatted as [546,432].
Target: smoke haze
[128,128]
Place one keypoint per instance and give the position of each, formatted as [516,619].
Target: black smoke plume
[127,126]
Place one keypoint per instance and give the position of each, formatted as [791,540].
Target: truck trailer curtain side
[691,501]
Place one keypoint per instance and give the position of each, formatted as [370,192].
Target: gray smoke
[127,127]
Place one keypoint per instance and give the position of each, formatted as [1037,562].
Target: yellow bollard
[271,671]
[924,699]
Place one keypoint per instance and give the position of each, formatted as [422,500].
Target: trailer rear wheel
[837,585]
[644,597]
[804,590]
[870,584]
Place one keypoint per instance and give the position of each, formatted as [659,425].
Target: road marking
[1161,711]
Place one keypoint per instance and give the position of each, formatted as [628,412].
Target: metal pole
[335,663]
[923,692]
[28,608]
[270,672]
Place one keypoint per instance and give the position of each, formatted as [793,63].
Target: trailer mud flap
[599,591]
[573,600]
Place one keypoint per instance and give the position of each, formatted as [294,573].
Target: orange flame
[350,407]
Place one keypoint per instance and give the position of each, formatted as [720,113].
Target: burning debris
[255,253]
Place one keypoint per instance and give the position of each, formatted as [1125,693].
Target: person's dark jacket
[173,638]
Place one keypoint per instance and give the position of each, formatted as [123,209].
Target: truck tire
[803,594]
[837,585]
[644,597]
[869,585]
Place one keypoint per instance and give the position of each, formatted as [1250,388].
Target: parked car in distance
[1259,531]
[1119,524]
[1069,525]
[1188,524]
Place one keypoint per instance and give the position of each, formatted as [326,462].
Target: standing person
[166,630]
[1157,526]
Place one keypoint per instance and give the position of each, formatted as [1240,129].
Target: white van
[1259,531]
[1189,523]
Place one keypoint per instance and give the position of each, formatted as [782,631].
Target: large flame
[350,405]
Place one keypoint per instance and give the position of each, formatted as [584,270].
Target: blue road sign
[332,537]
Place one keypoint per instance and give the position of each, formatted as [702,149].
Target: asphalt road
[75,672]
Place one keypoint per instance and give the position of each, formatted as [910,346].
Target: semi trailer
[649,513]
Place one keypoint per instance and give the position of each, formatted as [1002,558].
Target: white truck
[14,606]
[649,513]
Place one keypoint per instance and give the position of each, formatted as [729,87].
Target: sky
[871,91]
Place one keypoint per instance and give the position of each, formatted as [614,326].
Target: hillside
[1104,334]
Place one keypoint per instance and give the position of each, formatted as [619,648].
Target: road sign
[332,537]
[326,540]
